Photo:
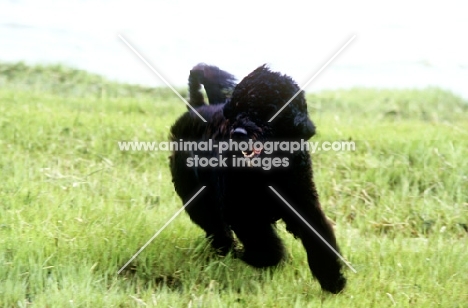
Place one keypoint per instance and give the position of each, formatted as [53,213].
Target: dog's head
[257,98]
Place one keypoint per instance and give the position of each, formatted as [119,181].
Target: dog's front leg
[262,246]
[307,221]
[305,218]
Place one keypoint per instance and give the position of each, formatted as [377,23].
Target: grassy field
[74,208]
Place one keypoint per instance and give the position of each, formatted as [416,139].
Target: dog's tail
[218,85]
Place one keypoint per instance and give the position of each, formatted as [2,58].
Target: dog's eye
[270,109]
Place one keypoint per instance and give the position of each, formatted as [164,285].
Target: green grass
[74,209]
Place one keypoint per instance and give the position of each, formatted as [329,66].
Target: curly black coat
[238,199]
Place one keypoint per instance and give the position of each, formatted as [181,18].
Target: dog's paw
[223,246]
[334,286]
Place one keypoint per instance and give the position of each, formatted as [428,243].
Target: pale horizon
[399,45]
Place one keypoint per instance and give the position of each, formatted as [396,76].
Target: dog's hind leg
[262,246]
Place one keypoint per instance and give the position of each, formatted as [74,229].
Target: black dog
[237,197]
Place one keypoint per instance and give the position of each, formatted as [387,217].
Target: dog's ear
[304,126]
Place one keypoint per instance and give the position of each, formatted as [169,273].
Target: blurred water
[400,44]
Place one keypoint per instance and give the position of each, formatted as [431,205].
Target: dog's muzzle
[253,153]
[239,131]
[240,134]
